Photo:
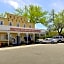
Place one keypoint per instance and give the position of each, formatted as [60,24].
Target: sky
[48,5]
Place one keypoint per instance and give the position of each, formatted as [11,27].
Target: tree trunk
[60,31]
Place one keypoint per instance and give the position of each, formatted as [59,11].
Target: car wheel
[59,41]
[52,42]
[41,42]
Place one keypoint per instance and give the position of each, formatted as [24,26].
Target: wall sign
[24,30]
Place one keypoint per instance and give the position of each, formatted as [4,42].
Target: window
[10,23]
[18,24]
[24,25]
[6,36]
[19,21]
[10,16]
[21,18]
[30,26]
[8,19]
[14,17]
[1,22]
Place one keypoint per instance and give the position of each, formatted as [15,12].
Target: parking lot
[33,54]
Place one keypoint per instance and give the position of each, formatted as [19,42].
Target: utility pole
[52,14]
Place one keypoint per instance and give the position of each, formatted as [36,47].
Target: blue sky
[11,5]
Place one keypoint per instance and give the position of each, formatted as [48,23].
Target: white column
[27,37]
[18,34]
[8,38]
[34,37]
[39,35]
[45,35]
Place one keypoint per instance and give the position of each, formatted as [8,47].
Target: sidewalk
[25,46]
[17,47]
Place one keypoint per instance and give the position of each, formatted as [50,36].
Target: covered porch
[17,35]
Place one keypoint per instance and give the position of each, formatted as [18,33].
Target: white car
[53,40]
[59,38]
[47,40]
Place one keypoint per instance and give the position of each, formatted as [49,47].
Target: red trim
[24,30]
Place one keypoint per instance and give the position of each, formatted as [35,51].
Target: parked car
[59,38]
[55,39]
[45,41]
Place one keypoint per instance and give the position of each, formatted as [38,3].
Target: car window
[57,37]
[60,36]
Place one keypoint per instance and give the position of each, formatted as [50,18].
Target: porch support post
[39,35]
[34,37]
[18,38]
[27,37]
[8,38]
[18,34]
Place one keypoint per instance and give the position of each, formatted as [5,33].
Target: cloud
[13,4]
[20,3]
[48,5]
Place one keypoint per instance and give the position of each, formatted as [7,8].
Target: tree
[58,21]
[50,20]
[3,15]
[34,14]
[25,12]
[18,12]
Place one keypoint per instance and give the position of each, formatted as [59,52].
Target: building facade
[17,28]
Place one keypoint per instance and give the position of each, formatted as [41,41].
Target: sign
[24,30]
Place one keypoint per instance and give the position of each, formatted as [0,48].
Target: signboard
[24,30]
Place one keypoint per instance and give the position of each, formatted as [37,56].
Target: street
[33,54]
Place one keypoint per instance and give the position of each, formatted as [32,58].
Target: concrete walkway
[33,54]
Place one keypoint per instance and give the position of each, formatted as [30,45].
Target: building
[16,27]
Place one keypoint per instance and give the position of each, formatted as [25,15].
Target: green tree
[25,12]
[3,15]
[58,21]
[34,13]
[18,12]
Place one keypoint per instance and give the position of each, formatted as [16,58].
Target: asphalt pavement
[33,54]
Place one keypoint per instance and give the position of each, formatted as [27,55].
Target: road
[33,54]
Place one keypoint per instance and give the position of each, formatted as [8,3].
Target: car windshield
[47,38]
[57,37]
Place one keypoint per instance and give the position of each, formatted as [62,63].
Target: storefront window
[24,25]
[30,26]
[1,22]
[18,24]
[10,23]
[6,36]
